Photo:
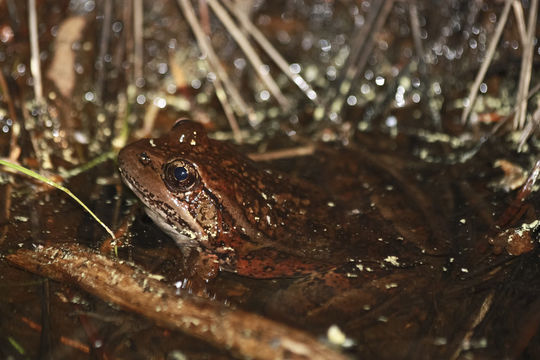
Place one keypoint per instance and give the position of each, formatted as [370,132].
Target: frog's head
[195,188]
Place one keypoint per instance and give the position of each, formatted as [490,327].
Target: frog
[246,219]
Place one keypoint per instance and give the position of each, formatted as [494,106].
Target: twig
[271,51]
[283,154]
[138,37]
[250,52]
[478,318]
[204,14]
[35,67]
[205,46]
[473,93]
[520,20]
[531,126]
[526,66]
[241,333]
[415,27]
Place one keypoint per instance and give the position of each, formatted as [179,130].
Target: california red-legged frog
[208,196]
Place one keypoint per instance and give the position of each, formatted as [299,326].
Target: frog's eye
[179,175]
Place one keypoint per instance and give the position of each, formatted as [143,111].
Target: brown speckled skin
[259,224]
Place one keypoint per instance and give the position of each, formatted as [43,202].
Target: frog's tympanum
[207,195]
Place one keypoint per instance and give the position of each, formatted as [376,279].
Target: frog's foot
[202,265]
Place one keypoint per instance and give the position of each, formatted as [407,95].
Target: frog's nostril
[144,158]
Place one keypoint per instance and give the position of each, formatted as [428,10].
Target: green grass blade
[16,345]
[56,185]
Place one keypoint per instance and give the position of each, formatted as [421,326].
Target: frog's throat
[182,234]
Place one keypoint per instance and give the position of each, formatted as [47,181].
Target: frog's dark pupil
[180,173]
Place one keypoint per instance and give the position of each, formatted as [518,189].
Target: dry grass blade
[138,41]
[415,27]
[103,44]
[283,154]
[204,44]
[361,51]
[229,113]
[250,52]
[475,321]
[520,21]
[270,50]
[526,66]
[35,67]
[241,333]
[473,93]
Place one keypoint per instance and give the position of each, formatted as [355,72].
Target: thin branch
[520,20]
[250,52]
[35,67]
[241,333]
[471,99]
[526,66]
